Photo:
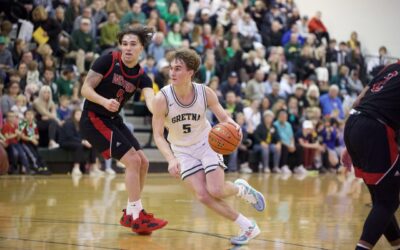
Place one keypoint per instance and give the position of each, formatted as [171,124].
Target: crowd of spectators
[281,75]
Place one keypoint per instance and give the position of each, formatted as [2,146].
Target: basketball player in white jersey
[181,108]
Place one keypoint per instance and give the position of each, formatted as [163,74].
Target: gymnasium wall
[377,22]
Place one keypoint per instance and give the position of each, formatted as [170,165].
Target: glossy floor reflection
[59,212]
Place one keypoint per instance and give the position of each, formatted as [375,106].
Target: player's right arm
[160,102]
[92,80]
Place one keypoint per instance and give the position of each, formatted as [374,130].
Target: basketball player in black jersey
[111,81]
[370,137]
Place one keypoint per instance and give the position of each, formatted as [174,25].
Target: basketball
[224,138]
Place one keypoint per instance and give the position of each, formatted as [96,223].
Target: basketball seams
[222,138]
[223,125]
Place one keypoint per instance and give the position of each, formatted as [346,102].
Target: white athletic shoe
[285,170]
[246,235]
[110,171]
[76,172]
[250,194]
[96,172]
[276,170]
[300,170]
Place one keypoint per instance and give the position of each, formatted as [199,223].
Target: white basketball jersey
[186,124]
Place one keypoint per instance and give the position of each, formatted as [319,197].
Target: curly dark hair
[144,33]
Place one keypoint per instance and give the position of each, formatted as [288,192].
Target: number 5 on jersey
[186,128]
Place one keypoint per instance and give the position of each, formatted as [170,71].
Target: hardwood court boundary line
[220,236]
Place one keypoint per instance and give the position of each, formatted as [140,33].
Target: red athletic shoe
[126,220]
[146,223]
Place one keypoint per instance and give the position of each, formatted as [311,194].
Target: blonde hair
[40,99]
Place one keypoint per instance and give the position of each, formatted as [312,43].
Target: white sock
[361,245]
[243,222]
[134,208]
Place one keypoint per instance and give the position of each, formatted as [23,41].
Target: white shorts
[197,157]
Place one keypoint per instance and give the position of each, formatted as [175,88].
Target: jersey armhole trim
[114,57]
[205,97]
[166,99]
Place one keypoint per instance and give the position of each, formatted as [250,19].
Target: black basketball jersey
[119,82]
[382,100]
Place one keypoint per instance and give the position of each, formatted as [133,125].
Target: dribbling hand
[111,105]
[239,129]
[174,168]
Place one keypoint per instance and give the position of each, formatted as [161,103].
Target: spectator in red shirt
[14,148]
[317,27]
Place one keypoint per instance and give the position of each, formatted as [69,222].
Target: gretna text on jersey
[185,117]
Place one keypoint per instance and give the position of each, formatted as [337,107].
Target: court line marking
[221,236]
[59,243]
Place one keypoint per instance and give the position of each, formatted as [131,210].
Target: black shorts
[372,147]
[108,135]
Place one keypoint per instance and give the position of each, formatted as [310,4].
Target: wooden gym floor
[61,212]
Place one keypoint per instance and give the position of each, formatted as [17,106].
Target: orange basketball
[224,138]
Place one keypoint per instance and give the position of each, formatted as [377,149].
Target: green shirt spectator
[109,31]
[65,83]
[136,15]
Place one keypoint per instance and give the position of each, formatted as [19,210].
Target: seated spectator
[20,107]
[71,139]
[117,6]
[17,49]
[86,14]
[331,104]
[252,115]
[15,150]
[174,37]
[312,96]
[255,87]
[6,60]
[46,118]
[51,27]
[329,136]
[150,66]
[208,69]
[48,80]
[83,45]
[4,165]
[65,83]
[316,26]
[30,142]
[241,155]
[196,39]
[288,150]
[308,145]
[232,105]
[156,47]
[63,111]
[355,85]
[353,42]
[156,21]
[109,31]
[293,113]
[232,84]
[8,100]
[266,142]
[134,15]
